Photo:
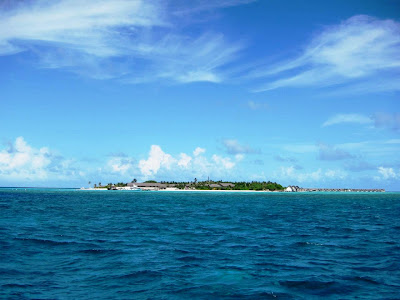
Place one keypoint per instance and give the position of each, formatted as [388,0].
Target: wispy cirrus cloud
[347,118]
[133,40]
[384,120]
[198,6]
[362,52]
[88,27]
[387,120]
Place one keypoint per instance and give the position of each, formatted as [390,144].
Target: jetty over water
[293,188]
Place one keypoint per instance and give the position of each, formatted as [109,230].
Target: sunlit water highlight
[69,244]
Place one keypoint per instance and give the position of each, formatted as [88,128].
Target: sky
[297,92]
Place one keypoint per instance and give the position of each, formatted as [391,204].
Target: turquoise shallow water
[67,244]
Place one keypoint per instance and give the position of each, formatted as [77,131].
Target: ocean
[71,244]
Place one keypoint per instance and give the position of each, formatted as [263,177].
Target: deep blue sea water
[70,244]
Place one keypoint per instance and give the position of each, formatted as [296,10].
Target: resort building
[150,186]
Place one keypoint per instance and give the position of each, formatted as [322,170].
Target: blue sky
[303,93]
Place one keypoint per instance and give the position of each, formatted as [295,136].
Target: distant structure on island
[293,188]
[151,186]
[155,186]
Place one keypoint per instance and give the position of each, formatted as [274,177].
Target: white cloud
[234,147]
[292,174]
[184,160]
[225,162]
[133,40]
[120,165]
[198,151]
[23,163]
[163,165]
[347,118]
[157,159]
[387,173]
[24,159]
[362,51]
[253,105]
[239,157]
[339,174]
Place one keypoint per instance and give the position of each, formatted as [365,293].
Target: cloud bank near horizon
[22,164]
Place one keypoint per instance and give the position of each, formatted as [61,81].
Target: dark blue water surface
[160,245]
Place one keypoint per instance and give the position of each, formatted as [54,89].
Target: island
[195,185]
[211,185]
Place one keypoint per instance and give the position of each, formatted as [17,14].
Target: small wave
[366,279]
[323,228]
[142,273]
[390,242]
[392,267]
[16,285]
[308,244]
[44,241]
[99,251]
[319,287]
[239,246]
[52,242]
[189,258]
[366,269]
[13,272]
[181,251]
[190,265]
[307,284]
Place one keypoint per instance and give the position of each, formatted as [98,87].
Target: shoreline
[224,191]
[178,190]
[217,191]
[235,191]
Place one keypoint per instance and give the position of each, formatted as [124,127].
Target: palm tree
[89,183]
